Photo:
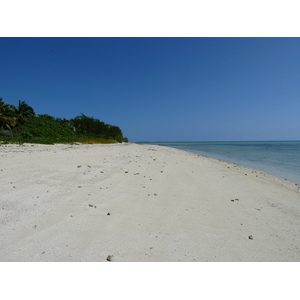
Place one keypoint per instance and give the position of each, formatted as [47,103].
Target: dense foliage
[21,124]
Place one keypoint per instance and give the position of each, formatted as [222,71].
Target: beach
[141,203]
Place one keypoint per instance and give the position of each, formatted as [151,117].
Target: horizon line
[222,141]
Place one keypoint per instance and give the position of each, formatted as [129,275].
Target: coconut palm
[23,112]
[7,116]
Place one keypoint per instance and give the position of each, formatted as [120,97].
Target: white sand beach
[141,203]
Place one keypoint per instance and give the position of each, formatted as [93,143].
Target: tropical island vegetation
[20,124]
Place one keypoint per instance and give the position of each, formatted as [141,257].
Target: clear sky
[161,89]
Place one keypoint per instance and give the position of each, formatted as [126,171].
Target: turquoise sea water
[280,158]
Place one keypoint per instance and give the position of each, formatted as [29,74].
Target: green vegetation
[7,116]
[21,124]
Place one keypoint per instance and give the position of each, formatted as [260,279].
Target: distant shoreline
[282,163]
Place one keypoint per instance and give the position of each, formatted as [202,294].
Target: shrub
[44,129]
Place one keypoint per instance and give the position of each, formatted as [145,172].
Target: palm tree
[7,116]
[23,112]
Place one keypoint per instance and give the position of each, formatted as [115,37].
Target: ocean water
[278,158]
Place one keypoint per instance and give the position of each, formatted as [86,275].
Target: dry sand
[129,202]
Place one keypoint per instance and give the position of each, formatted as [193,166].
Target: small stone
[79,166]
[79,186]
[232,200]
[91,205]
[71,216]
[250,237]
[109,258]
[155,194]
[108,214]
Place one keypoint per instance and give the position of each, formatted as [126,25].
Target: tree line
[21,124]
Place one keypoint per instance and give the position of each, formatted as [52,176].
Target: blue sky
[161,89]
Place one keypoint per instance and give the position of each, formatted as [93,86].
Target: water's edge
[280,159]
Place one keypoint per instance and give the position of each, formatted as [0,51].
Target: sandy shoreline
[129,202]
